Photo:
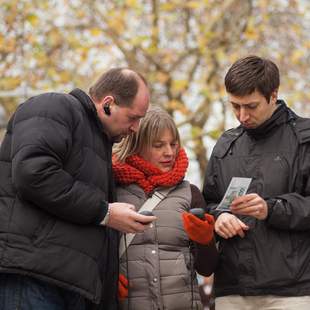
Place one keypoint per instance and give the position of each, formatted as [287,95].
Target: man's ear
[106,103]
[107,100]
[274,96]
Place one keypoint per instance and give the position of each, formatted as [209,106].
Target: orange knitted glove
[198,230]
[122,287]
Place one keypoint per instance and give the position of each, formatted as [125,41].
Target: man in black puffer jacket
[264,243]
[58,218]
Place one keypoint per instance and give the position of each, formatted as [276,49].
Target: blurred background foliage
[184,49]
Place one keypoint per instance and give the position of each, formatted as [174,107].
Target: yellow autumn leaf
[222,91]
[96,32]
[179,85]
[184,110]
[297,29]
[9,82]
[252,30]
[251,34]
[64,76]
[263,3]
[80,14]
[9,45]
[204,92]
[32,19]
[202,43]
[152,50]
[177,105]
[51,72]
[155,31]
[307,44]
[215,134]
[168,6]
[173,105]
[168,56]
[220,54]
[162,77]
[131,3]
[138,40]
[196,131]
[54,37]
[296,56]
[116,24]
[193,4]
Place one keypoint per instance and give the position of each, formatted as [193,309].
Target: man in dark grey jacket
[58,218]
[263,237]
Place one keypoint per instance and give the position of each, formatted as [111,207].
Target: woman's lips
[166,163]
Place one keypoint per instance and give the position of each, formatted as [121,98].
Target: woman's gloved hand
[198,230]
[122,287]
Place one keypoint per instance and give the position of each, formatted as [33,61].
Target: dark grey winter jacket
[274,256]
[55,182]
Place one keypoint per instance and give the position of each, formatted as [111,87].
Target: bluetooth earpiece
[106,109]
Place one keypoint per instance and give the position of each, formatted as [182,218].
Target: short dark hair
[121,83]
[251,74]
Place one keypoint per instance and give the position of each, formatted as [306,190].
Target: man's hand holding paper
[237,187]
[227,224]
[250,205]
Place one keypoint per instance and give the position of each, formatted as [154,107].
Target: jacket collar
[279,116]
[88,106]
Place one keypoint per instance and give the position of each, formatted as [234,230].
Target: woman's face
[162,152]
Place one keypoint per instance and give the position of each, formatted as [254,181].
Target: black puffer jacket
[274,256]
[55,182]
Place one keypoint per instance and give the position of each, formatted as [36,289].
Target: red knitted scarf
[147,176]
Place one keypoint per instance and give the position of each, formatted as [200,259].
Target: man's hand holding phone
[124,218]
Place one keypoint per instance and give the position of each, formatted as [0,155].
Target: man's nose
[244,115]
[135,126]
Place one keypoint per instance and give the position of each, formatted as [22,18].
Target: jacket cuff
[216,213]
[104,206]
[270,205]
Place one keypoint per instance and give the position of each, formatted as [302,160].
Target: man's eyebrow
[236,103]
[136,115]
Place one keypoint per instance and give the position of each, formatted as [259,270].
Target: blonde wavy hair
[151,128]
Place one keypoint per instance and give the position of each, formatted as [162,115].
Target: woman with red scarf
[157,267]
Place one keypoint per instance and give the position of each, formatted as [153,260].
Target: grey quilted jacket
[158,262]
